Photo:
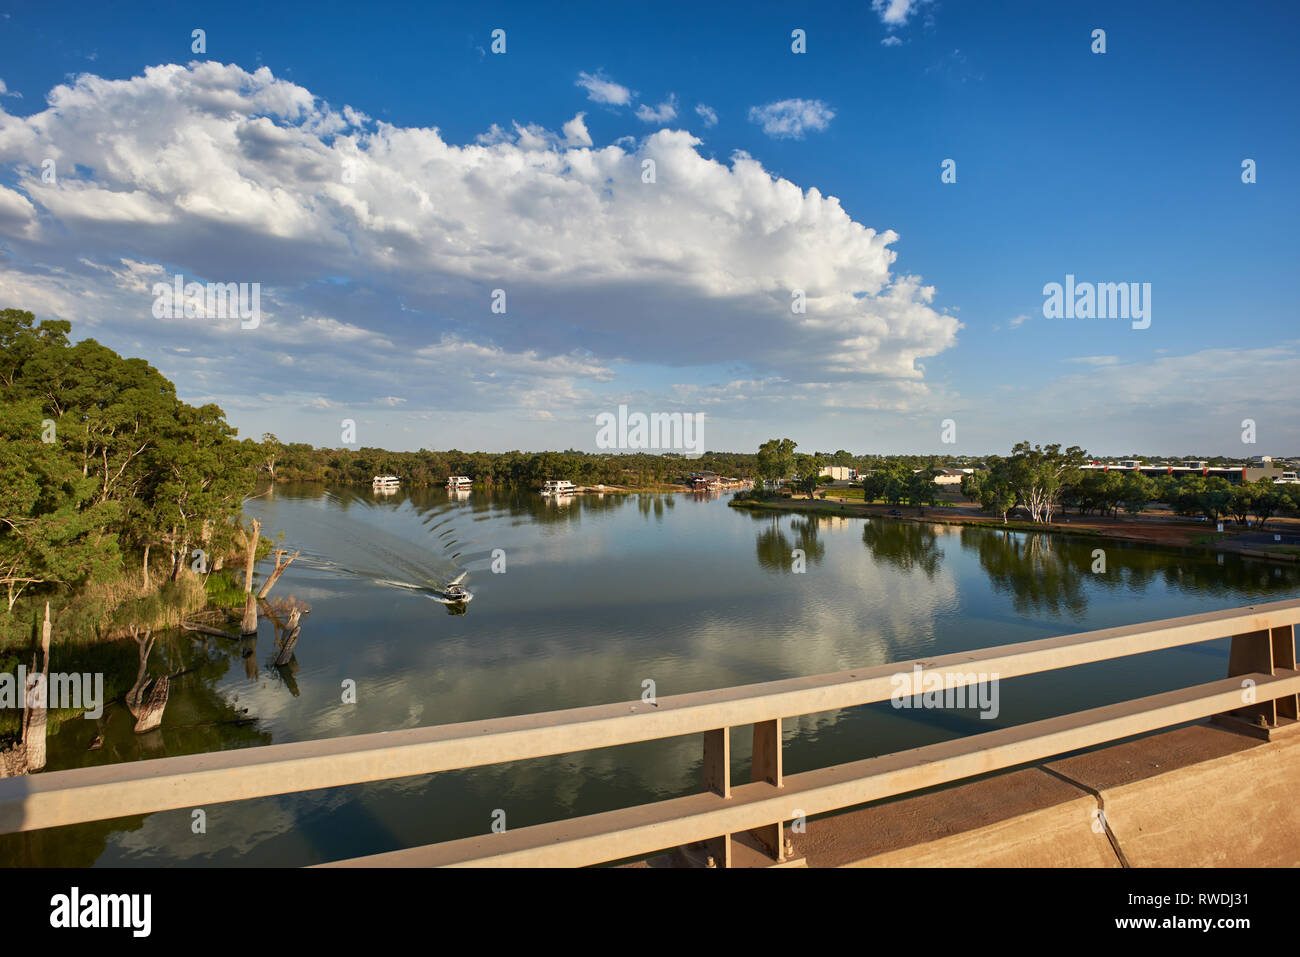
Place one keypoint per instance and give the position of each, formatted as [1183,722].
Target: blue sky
[674,295]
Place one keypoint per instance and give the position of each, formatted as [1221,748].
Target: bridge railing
[1262,689]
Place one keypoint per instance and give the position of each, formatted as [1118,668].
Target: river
[590,598]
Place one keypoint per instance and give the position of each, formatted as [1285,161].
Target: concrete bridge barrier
[1065,811]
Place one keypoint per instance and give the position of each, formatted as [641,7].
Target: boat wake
[384,546]
[435,592]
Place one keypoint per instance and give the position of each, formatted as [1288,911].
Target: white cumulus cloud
[575,131]
[379,250]
[665,111]
[791,119]
[895,13]
[602,89]
[708,114]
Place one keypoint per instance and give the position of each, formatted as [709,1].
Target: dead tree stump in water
[34,720]
[290,639]
[249,624]
[150,714]
[148,710]
[29,753]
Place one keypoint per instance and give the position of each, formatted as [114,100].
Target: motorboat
[385,482]
[459,483]
[454,592]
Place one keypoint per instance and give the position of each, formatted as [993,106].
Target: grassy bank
[106,610]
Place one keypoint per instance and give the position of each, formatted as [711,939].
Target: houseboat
[385,482]
[559,487]
[459,483]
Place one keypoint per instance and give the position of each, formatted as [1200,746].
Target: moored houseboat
[559,487]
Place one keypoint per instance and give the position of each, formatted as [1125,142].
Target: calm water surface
[598,595]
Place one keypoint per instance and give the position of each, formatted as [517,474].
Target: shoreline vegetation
[1044,483]
[1153,531]
[120,504]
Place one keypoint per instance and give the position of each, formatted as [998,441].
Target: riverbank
[106,610]
[1152,530]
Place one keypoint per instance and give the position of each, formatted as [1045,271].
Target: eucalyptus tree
[776,459]
[1038,475]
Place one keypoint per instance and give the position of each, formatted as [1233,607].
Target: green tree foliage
[1137,492]
[1037,478]
[299,462]
[1270,499]
[776,459]
[101,461]
[1040,474]
[887,481]
[1262,499]
[809,468]
[52,528]
[990,488]
[920,488]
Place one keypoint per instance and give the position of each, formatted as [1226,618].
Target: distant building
[840,473]
[712,482]
[951,476]
[1234,474]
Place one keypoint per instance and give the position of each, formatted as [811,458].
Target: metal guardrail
[1263,654]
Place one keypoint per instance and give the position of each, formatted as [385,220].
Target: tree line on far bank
[300,462]
[1041,480]
[1045,479]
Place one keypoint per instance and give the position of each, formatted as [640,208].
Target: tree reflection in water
[1046,573]
[1040,573]
[905,545]
[776,548]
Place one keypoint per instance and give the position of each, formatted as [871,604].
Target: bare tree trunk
[34,736]
[37,690]
[279,570]
[29,753]
[251,555]
[249,624]
[151,712]
[143,647]
[290,639]
[207,630]
[148,710]
[185,554]
[146,565]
